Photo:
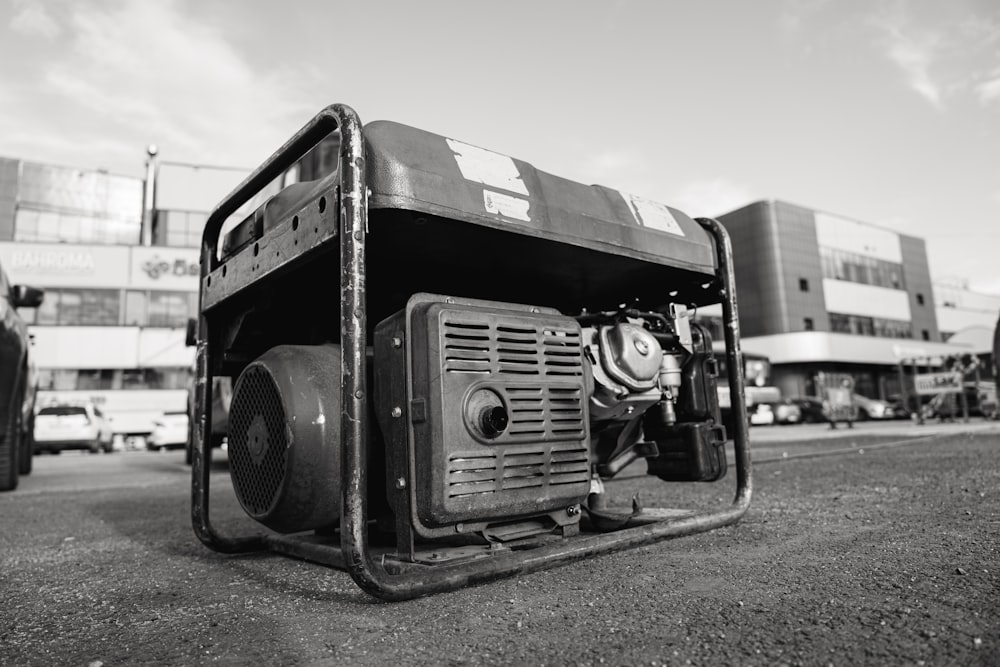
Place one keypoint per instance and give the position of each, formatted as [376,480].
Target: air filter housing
[284,437]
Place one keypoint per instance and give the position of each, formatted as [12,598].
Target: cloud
[914,54]
[942,49]
[32,20]
[988,91]
[161,76]
[711,197]
[794,15]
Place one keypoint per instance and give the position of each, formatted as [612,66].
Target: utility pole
[149,196]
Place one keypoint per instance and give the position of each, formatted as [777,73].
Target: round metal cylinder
[284,437]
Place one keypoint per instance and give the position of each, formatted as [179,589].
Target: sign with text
[164,268]
[927,384]
[64,265]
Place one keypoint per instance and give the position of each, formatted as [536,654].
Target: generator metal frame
[398,582]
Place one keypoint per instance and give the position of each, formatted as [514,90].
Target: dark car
[811,409]
[17,382]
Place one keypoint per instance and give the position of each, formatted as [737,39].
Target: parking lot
[878,546]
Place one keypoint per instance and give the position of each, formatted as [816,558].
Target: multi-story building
[823,293]
[118,257]
[111,328]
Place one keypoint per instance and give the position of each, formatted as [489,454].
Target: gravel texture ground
[868,555]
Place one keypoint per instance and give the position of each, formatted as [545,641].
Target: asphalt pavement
[880,549]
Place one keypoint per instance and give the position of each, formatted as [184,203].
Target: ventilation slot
[525,469]
[562,352]
[473,474]
[527,407]
[570,464]
[467,347]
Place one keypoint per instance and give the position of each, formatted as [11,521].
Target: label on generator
[506,205]
[652,214]
[486,167]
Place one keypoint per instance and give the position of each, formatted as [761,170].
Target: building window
[60,227]
[107,379]
[95,379]
[170,309]
[60,204]
[807,323]
[920,299]
[159,309]
[78,307]
[156,378]
[179,229]
[803,284]
[925,334]
[856,268]
[859,325]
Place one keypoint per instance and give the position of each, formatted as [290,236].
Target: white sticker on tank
[487,167]
[652,214]
[506,205]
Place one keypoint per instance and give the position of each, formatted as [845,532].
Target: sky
[883,111]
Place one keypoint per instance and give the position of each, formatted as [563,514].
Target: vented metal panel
[531,363]
[505,349]
[257,441]
[476,472]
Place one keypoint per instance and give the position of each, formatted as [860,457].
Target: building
[111,328]
[960,309]
[118,257]
[820,293]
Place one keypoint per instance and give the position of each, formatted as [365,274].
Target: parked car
[170,431]
[63,426]
[873,408]
[786,412]
[762,415]
[17,382]
[810,409]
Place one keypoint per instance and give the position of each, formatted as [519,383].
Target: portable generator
[442,358]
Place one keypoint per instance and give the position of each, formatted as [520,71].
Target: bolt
[359,394]
[642,346]
[630,409]
[459,527]
[573,510]
[397,342]
[400,482]
[449,300]
[397,412]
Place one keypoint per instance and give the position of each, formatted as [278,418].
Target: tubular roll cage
[354,554]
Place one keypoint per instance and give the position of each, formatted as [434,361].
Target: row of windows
[857,268]
[114,378]
[178,229]
[113,307]
[43,226]
[860,325]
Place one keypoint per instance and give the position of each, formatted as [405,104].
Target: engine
[496,420]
